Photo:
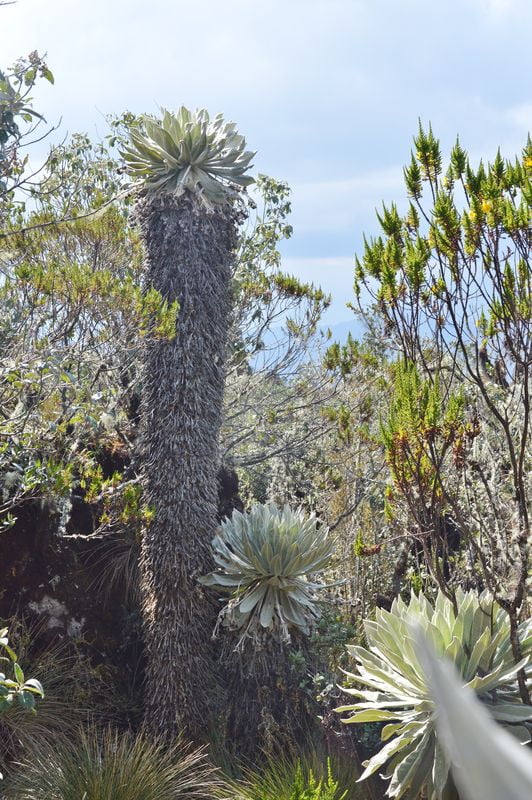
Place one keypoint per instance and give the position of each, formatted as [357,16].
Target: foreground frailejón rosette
[476,639]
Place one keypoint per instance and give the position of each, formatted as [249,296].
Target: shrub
[114,766]
[449,282]
[309,778]
[16,687]
[476,638]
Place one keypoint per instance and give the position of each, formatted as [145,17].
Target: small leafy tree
[452,282]
[18,124]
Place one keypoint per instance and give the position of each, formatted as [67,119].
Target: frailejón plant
[187,168]
[264,559]
[189,150]
[476,639]
[489,766]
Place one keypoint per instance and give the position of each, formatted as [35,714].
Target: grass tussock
[110,765]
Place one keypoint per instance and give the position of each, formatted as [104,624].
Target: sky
[329,92]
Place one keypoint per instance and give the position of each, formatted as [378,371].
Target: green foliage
[296,786]
[258,279]
[422,428]
[189,151]
[16,108]
[344,358]
[14,99]
[50,278]
[15,687]
[113,766]
[450,275]
[423,254]
[74,317]
[312,777]
[271,227]
[264,560]
[475,636]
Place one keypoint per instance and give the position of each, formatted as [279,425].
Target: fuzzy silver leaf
[264,560]
[190,151]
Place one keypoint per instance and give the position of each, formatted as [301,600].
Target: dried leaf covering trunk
[188,251]
[269,709]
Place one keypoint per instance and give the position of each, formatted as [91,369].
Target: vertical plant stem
[188,258]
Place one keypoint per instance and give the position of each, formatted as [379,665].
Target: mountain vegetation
[224,536]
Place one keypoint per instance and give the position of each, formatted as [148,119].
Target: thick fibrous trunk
[189,252]
[269,708]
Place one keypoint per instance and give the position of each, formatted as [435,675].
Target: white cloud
[316,268]
[500,8]
[520,116]
[126,53]
[338,204]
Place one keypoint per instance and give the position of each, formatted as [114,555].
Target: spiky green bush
[113,766]
[476,638]
[264,560]
[306,778]
[189,151]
